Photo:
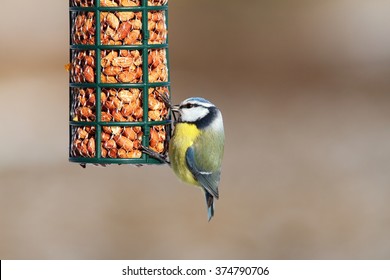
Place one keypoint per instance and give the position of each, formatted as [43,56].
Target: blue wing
[208,179]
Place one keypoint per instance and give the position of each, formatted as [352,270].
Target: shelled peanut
[157,65]
[83,105]
[83,142]
[121,28]
[122,66]
[157,138]
[82,69]
[121,142]
[158,110]
[121,105]
[83,28]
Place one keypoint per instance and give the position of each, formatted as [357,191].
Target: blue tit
[197,145]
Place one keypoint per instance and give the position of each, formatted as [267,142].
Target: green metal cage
[119,68]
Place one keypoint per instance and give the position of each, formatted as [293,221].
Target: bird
[197,146]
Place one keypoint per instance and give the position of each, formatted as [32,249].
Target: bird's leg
[153,154]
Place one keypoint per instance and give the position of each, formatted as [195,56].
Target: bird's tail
[210,204]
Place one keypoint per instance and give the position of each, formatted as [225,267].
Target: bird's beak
[175,112]
[175,108]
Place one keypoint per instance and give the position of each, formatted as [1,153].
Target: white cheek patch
[217,123]
[193,114]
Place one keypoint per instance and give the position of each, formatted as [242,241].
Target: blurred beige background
[304,87]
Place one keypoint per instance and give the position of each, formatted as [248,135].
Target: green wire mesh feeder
[118,80]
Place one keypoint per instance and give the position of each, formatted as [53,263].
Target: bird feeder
[118,73]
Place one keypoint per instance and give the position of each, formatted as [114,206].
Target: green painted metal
[98,86]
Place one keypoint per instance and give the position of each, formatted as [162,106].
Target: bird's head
[200,112]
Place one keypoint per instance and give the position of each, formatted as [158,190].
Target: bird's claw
[153,154]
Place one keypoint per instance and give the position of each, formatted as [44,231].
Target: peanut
[110,144]
[91,147]
[113,153]
[118,117]
[89,74]
[112,70]
[130,133]
[103,152]
[130,3]
[124,142]
[108,3]
[125,95]
[108,79]
[105,137]
[127,77]
[125,16]
[108,58]
[122,62]
[112,21]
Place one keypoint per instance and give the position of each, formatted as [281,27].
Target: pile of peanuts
[130,3]
[157,27]
[158,110]
[116,139]
[121,142]
[83,28]
[124,28]
[119,105]
[122,66]
[157,138]
[157,66]
[83,142]
[121,28]
[82,3]
[116,3]
[83,104]
[118,28]
[82,69]
[116,142]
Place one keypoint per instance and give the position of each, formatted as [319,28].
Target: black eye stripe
[189,105]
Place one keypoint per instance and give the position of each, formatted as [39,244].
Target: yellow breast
[183,137]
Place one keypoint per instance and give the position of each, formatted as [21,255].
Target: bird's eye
[188,105]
